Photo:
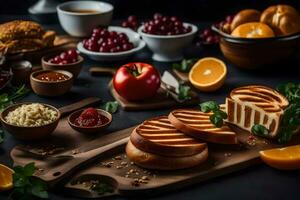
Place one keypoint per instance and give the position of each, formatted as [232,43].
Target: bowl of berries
[167,37]
[68,60]
[111,44]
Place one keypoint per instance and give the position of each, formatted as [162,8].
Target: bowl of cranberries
[113,43]
[68,60]
[167,37]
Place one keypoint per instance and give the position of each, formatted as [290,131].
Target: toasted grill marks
[247,116]
[160,137]
[230,111]
[256,105]
[197,124]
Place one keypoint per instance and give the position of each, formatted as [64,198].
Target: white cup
[81,24]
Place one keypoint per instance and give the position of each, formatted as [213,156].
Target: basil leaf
[184,92]
[39,188]
[111,106]
[209,106]
[217,120]
[260,130]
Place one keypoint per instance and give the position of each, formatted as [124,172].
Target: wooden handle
[78,105]
[57,173]
[99,71]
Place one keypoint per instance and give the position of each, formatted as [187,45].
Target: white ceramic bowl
[81,24]
[167,48]
[99,56]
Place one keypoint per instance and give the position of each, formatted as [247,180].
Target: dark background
[198,10]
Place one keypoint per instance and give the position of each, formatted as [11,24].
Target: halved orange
[253,30]
[208,74]
[287,158]
[6,179]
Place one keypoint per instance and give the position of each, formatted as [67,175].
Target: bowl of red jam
[68,60]
[51,82]
[89,120]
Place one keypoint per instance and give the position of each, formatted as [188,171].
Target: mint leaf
[260,130]
[111,106]
[185,65]
[209,106]
[217,120]
[184,92]
[29,169]
[26,186]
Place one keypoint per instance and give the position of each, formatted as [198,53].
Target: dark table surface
[257,182]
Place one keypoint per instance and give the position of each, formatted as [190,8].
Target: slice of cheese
[256,104]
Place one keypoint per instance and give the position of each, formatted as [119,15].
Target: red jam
[90,117]
[52,77]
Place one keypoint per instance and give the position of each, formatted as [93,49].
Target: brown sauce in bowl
[52,77]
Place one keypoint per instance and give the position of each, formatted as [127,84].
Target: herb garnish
[291,118]
[12,95]
[27,187]
[218,116]
[260,130]
[102,188]
[184,92]
[111,106]
[185,65]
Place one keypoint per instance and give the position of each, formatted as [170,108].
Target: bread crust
[158,162]
[164,150]
[202,135]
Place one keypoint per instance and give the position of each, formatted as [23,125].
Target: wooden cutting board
[160,100]
[107,163]
[181,75]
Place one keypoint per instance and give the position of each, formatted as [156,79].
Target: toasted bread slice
[158,162]
[198,125]
[159,136]
[256,104]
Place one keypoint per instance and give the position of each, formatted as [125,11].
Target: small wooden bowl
[74,68]
[50,89]
[94,129]
[28,133]
[249,53]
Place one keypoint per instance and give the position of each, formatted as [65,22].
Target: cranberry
[123,36]
[72,53]
[104,49]
[164,25]
[132,18]
[209,40]
[113,34]
[126,24]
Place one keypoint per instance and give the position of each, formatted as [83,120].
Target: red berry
[209,40]
[125,24]
[132,18]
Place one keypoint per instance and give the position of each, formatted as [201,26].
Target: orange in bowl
[253,30]
[208,74]
[6,180]
[287,158]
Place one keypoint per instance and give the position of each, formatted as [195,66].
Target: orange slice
[287,158]
[6,180]
[208,74]
[253,30]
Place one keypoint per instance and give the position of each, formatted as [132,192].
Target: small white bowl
[81,24]
[99,56]
[168,48]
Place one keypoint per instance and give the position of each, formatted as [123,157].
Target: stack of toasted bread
[176,141]
[179,140]
[23,36]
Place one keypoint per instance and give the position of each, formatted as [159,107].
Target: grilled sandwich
[255,104]
[159,136]
[198,125]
